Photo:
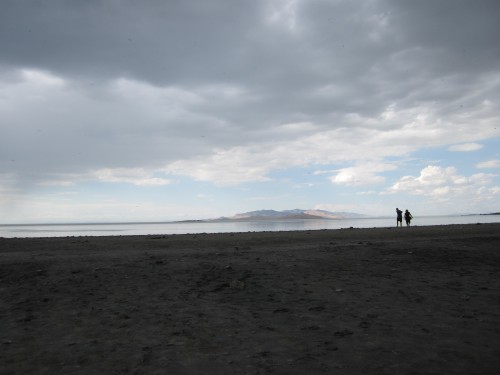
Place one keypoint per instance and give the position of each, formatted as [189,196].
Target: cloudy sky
[122,110]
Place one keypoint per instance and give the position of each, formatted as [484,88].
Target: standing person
[399,218]
[408,218]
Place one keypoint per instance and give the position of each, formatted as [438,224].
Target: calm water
[63,230]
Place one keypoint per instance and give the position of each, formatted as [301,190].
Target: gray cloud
[146,84]
[162,42]
[176,42]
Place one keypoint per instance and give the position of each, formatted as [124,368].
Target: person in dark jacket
[408,218]
[399,217]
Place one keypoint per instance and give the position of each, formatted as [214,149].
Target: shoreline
[362,300]
[170,228]
[416,230]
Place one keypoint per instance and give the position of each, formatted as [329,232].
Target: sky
[122,110]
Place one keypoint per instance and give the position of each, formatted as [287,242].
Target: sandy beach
[419,300]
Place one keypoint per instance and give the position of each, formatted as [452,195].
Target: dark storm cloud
[165,41]
[191,42]
[160,41]
[462,34]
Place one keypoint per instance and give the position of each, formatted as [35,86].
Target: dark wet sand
[420,300]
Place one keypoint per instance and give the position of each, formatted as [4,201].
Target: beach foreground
[420,300]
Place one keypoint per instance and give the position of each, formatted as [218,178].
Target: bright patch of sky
[156,111]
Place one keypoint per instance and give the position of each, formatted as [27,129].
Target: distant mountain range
[292,214]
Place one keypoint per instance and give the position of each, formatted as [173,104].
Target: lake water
[119,229]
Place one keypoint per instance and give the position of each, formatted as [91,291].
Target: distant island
[290,215]
[296,214]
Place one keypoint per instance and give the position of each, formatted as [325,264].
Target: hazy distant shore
[350,301]
[225,226]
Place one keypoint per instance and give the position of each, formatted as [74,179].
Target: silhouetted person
[408,218]
[399,218]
